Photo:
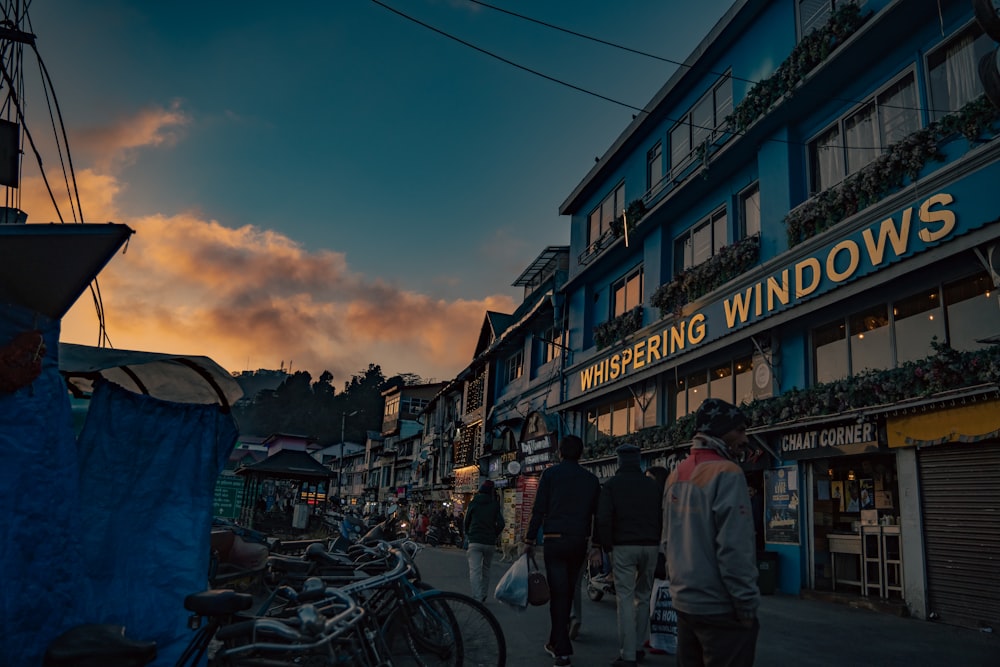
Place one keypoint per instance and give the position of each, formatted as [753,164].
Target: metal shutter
[960,488]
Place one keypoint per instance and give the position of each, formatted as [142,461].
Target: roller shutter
[960,493]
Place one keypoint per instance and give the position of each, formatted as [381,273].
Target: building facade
[802,220]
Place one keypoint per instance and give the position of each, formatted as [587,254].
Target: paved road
[794,631]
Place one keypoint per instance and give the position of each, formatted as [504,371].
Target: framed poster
[867,494]
[781,506]
[837,495]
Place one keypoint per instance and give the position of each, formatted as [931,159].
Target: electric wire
[677,121]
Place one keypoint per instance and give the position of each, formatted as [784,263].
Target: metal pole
[340,475]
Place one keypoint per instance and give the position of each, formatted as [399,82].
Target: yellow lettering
[696,329]
[653,348]
[616,366]
[738,307]
[897,237]
[801,288]
[677,337]
[599,372]
[639,355]
[853,252]
[946,218]
[626,357]
[586,378]
[776,289]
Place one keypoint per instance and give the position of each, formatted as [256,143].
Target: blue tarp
[114,528]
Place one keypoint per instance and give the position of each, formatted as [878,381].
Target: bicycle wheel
[441,628]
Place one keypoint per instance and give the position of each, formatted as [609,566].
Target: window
[830,352]
[617,418]
[513,367]
[869,343]
[654,166]
[392,406]
[858,138]
[917,320]
[750,211]
[815,13]
[732,381]
[601,217]
[700,123]
[701,242]
[626,293]
[552,344]
[952,70]
[972,310]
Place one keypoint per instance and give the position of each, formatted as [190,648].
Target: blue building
[804,219]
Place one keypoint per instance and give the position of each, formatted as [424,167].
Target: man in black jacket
[628,526]
[565,503]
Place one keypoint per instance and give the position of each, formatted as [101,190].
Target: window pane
[620,418]
[595,226]
[722,383]
[591,435]
[633,291]
[830,352]
[898,111]
[870,340]
[720,228]
[812,14]
[917,320]
[654,166]
[682,253]
[604,420]
[750,211]
[680,144]
[827,160]
[953,75]
[860,138]
[723,101]
[697,390]
[607,213]
[973,312]
[618,300]
[744,380]
[702,244]
[702,120]
[680,399]
[619,205]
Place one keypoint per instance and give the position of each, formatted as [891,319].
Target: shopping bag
[662,618]
[512,589]
[538,585]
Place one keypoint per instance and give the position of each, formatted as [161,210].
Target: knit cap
[628,455]
[716,418]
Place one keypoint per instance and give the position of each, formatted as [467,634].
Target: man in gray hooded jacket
[708,540]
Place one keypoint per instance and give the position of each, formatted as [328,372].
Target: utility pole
[340,474]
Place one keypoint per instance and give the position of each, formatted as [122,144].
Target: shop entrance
[857,545]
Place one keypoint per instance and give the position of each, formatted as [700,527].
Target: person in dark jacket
[565,503]
[708,537]
[628,527]
[482,524]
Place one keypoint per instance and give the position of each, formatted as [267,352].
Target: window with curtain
[859,137]
[601,217]
[750,211]
[701,241]
[626,293]
[702,122]
[952,71]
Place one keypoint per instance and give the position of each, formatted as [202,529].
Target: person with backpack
[482,525]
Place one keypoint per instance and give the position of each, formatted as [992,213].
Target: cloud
[245,296]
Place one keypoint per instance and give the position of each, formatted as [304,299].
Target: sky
[323,185]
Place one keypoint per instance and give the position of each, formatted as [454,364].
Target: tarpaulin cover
[41,594]
[148,469]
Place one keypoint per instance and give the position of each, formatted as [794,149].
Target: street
[794,631]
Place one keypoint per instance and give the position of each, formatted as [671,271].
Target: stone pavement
[794,631]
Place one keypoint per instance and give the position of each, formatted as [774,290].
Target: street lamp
[340,474]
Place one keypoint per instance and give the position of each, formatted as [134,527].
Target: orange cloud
[246,297]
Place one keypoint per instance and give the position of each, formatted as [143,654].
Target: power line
[561,82]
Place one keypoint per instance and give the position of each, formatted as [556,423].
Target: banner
[781,505]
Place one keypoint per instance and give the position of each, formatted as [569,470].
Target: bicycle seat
[97,645]
[316,553]
[291,564]
[219,602]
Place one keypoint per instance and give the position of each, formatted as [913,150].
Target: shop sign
[927,223]
[228,497]
[842,439]
[537,453]
[467,479]
[964,423]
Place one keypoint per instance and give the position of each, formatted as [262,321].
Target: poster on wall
[837,494]
[781,506]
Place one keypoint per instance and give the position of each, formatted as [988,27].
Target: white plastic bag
[512,589]
[662,618]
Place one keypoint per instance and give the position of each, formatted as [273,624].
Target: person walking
[708,539]
[565,504]
[483,523]
[628,527]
